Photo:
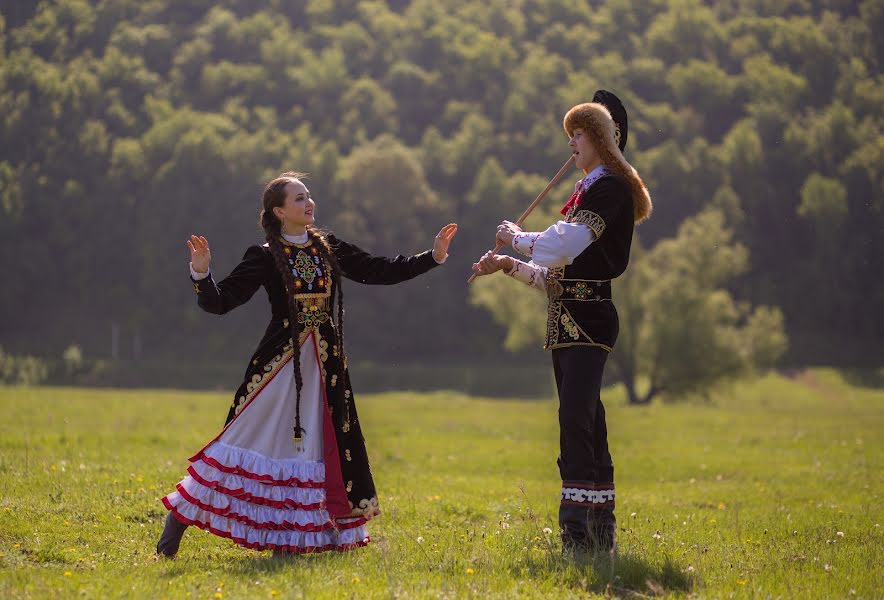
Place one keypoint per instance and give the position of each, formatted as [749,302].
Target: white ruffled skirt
[254,485]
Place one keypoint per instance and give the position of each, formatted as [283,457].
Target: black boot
[604,530]
[170,539]
[574,521]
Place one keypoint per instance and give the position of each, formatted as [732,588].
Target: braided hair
[274,196]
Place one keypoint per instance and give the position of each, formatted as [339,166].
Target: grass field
[772,489]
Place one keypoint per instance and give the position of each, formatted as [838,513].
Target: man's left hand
[506,231]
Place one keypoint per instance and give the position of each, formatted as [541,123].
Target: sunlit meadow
[770,489]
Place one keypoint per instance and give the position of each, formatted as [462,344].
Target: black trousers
[586,513]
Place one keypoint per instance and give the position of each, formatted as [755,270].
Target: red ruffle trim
[227,514]
[265,479]
[245,496]
[284,526]
[256,546]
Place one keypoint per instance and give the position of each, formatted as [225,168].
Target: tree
[680,329]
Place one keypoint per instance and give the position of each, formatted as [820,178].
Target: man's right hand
[491,263]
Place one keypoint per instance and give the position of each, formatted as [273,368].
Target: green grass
[773,489]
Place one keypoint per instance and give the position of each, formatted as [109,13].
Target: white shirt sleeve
[558,246]
[198,276]
[529,274]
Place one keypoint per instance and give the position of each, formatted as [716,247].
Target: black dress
[254,483]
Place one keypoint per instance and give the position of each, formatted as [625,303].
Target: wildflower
[840,534]
[470,571]
[420,539]
[547,530]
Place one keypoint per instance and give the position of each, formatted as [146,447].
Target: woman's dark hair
[274,196]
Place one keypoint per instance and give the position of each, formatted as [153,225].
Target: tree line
[126,126]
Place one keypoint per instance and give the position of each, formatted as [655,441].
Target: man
[574,261]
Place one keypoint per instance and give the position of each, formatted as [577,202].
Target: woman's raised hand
[200,257]
[443,240]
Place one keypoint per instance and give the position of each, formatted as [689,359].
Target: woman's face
[298,208]
[583,149]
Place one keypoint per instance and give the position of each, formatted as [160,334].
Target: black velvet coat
[350,488]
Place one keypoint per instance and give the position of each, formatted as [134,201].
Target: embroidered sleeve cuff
[523,243]
[591,220]
[529,274]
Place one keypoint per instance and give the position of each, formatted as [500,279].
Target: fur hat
[604,122]
[604,115]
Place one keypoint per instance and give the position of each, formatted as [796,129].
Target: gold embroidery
[334,380]
[311,317]
[368,507]
[305,268]
[350,486]
[580,290]
[570,326]
[553,290]
[285,242]
[259,380]
[196,287]
[591,220]
[323,351]
[347,455]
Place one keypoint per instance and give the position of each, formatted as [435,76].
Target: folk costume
[287,475]
[574,262]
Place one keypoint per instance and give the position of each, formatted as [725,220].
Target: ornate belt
[582,290]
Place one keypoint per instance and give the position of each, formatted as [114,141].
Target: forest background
[128,125]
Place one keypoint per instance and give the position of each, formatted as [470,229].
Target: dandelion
[742,582]
[219,595]
[67,573]
[827,567]
[633,515]
[840,534]
[274,593]
[355,580]
[420,539]
[690,568]
[470,571]
[547,530]
[657,536]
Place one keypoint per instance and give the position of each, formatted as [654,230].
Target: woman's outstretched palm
[200,257]
[443,240]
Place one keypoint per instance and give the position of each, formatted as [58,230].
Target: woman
[289,472]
